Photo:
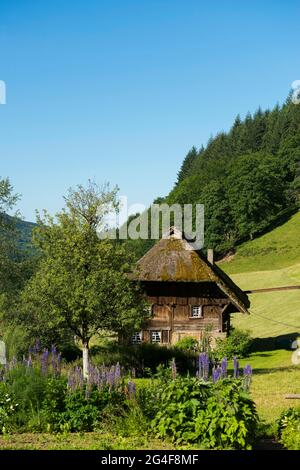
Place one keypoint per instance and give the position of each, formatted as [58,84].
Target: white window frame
[196,311]
[136,337]
[156,336]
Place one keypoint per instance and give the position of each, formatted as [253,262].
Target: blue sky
[120,90]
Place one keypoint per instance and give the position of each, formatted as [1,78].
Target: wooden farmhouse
[186,293]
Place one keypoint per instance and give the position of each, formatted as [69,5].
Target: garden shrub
[53,404]
[16,341]
[188,343]
[27,385]
[214,415]
[144,358]
[84,408]
[8,408]
[288,428]
[229,419]
[238,343]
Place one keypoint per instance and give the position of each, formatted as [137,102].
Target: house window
[155,336]
[196,311]
[136,338]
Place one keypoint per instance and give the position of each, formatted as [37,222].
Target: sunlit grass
[277,249]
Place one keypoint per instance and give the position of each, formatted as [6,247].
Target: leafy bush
[27,385]
[38,395]
[188,343]
[53,404]
[229,419]
[84,408]
[238,343]
[8,407]
[288,428]
[144,358]
[215,415]
[16,341]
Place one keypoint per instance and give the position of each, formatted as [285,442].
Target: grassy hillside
[271,307]
[277,249]
[272,260]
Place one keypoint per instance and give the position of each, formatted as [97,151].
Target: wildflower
[203,366]
[224,365]
[236,371]
[216,374]
[247,377]
[44,361]
[110,377]
[247,370]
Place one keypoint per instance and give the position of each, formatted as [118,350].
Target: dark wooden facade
[186,294]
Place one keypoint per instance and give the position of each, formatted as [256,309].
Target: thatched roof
[172,259]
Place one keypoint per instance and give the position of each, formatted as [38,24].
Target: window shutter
[165,336]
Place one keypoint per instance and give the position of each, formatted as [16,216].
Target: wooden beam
[271,289]
[294,396]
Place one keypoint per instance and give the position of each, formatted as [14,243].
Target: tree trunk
[85,359]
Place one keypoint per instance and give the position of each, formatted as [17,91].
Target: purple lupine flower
[79,377]
[110,377]
[97,377]
[75,378]
[117,373]
[199,372]
[131,387]
[216,374]
[44,361]
[247,376]
[204,360]
[224,365]
[247,370]
[236,371]
[54,359]
[174,369]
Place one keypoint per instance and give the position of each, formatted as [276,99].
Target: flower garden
[209,409]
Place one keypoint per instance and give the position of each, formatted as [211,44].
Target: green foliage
[215,416]
[238,343]
[144,358]
[82,413]
[130,423]
[27,385]
[80,410]
[16,341]
[188,343]
[13,265]
[187,165]
[288,428]
[81,285]
[8,407]
[46,404]
[53,404]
